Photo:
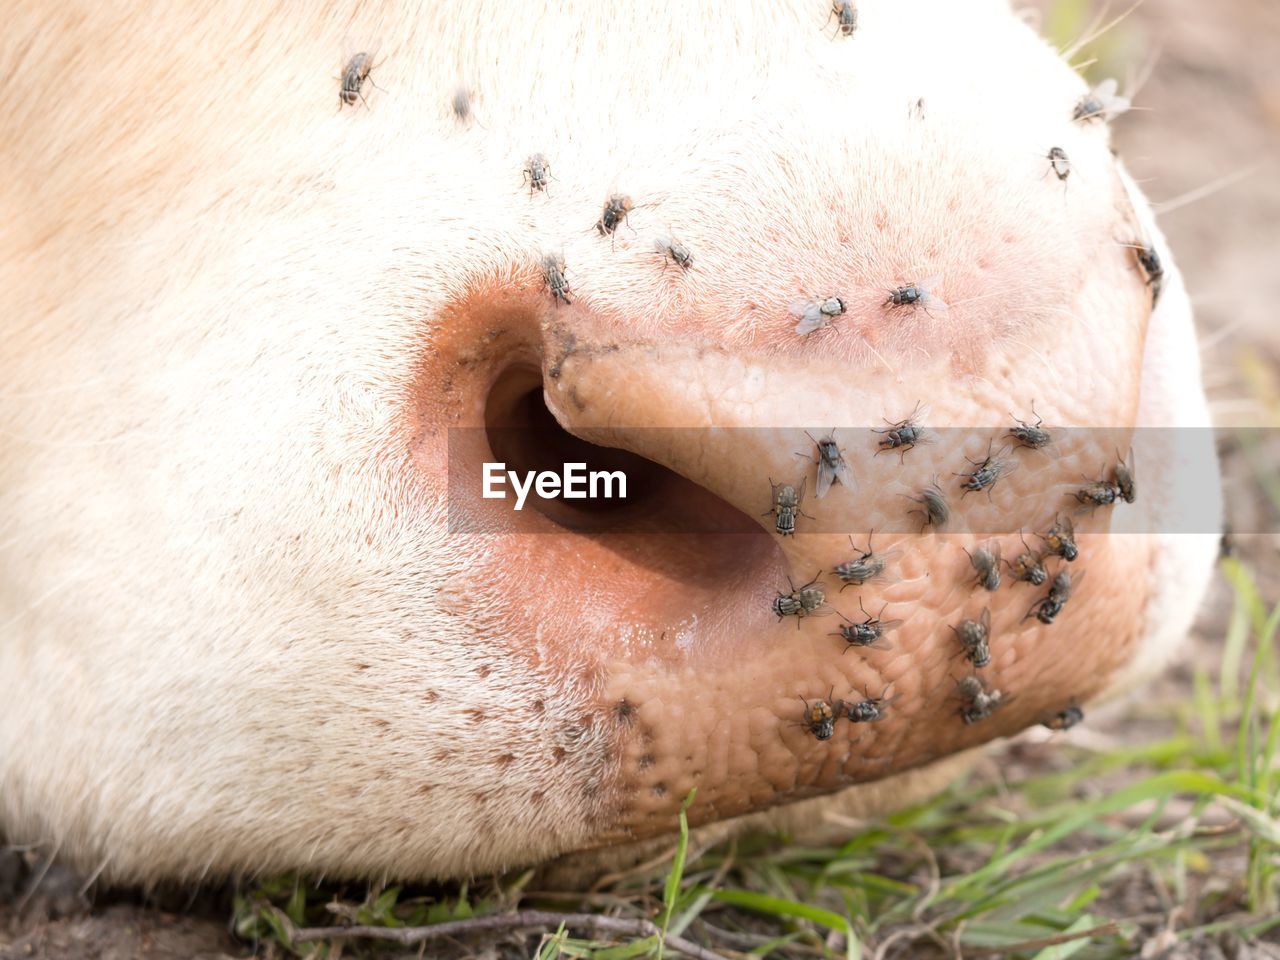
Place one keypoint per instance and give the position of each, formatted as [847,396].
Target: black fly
[1047,608]
[986,471]
[872,709]
[1061,538]
[786,506]
[868,633]
[868,565]
[846,14]
[905,434]
[975,638]
[832,465]
[1027,566]
[986,561]
[1030,435]
[934,508]
[1065,718]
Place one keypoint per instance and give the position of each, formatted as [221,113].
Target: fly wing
[844,474]
[888,556]
[812,321]
[1115,106]
[369,51]
[1075,582]
[934,304]
[825,474]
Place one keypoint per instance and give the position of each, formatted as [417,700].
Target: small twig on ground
[590,922]
[935,875]
[913,931]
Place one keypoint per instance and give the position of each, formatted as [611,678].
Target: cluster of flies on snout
[820,716]
[816,313]
[1107,489]
[974,635]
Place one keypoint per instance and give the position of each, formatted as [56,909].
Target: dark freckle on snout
[506,759]
[646,761]
[479,797]
[483,671]
[426,788]
[537,797]
[567,346]
[381,724]
[538,706]
[624,711]
[431,696]
[659,789]
[362,666]
[476,716]
[559,753]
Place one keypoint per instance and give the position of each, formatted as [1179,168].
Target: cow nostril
[526,437]
[669,557]
[523,435]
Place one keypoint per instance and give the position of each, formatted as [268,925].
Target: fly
[870,632]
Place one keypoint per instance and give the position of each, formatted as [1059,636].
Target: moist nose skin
[722,706]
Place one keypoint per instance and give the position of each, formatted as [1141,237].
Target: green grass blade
[625,952]
[672,888]
[779,907]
